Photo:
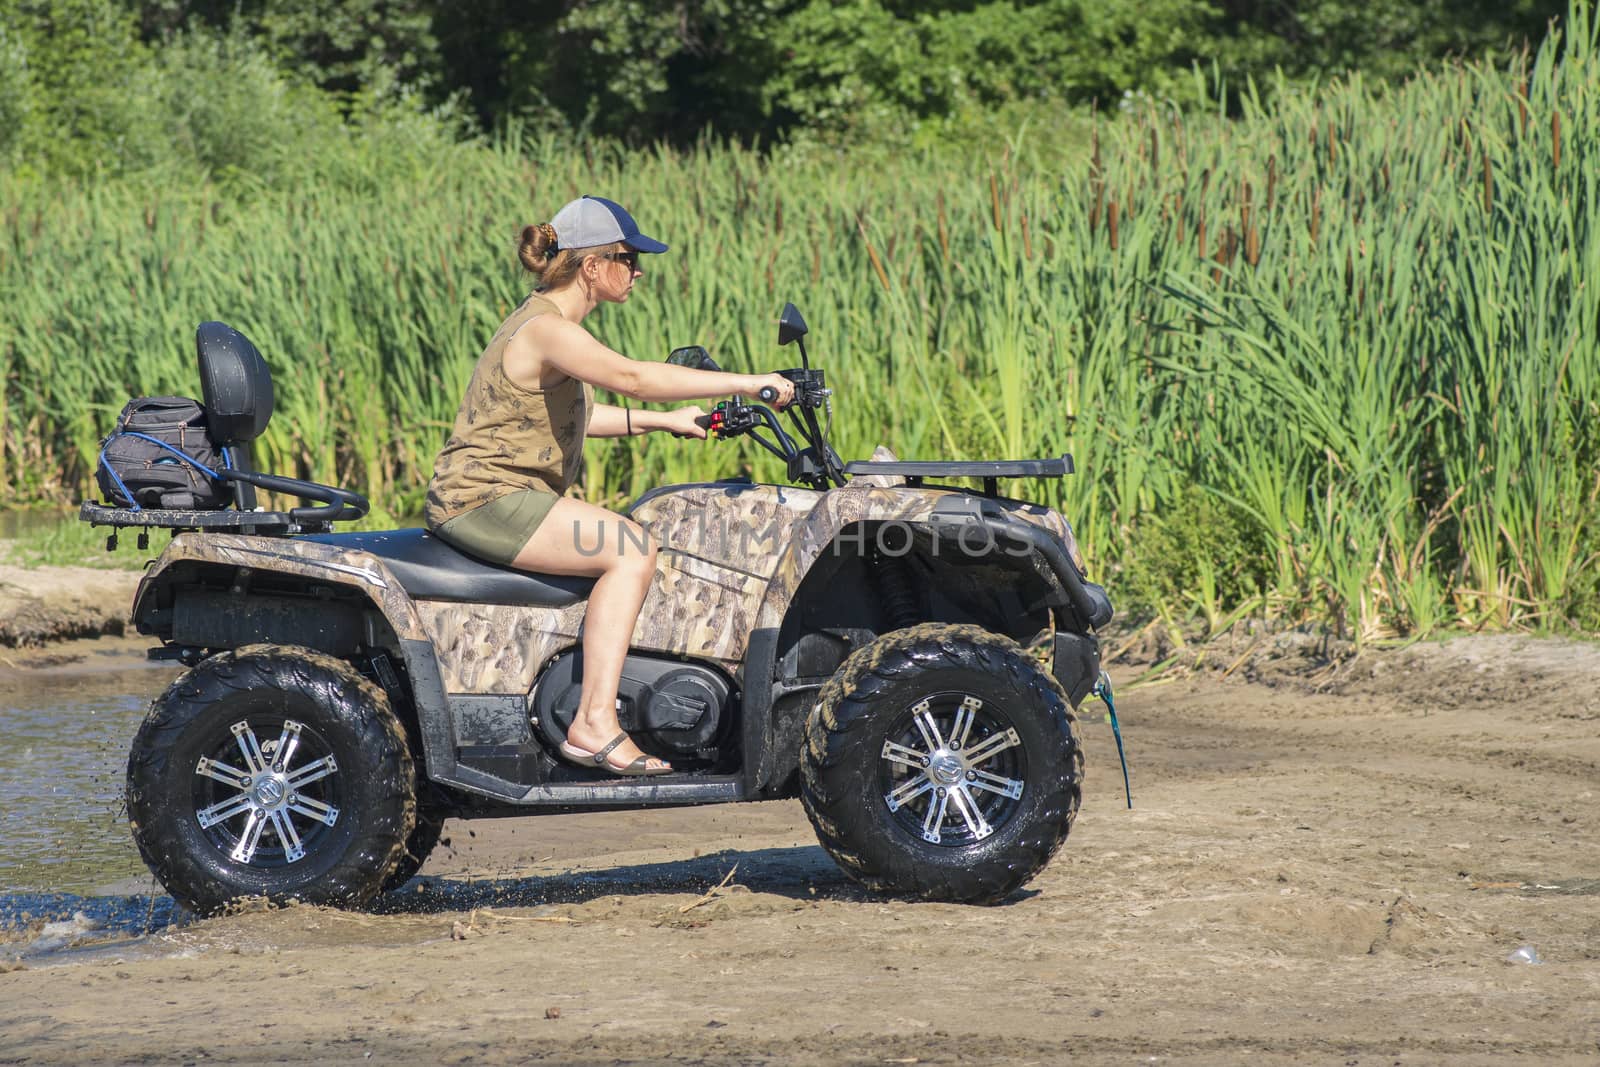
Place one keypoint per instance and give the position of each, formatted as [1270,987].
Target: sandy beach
[43,605]
[1329,860]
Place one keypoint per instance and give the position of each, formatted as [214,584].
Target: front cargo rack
[991,471]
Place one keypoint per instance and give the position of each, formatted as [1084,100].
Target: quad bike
[906,657]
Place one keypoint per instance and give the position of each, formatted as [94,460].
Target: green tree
[89,85]
[874,60]
[347,46]
[1385,39]
[750,68]
[622,68]
[72,73]
[17,91]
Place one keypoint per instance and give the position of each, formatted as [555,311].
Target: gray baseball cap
[593,220]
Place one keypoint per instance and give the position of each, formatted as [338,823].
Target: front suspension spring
[900,602]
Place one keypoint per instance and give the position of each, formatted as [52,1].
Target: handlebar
[816,464]
[767,393]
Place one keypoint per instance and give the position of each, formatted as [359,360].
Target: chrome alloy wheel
[284,782]
[952,770]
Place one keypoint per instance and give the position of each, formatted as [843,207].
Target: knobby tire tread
[847,715]
[338,690]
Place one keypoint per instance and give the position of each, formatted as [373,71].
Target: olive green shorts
[498,530]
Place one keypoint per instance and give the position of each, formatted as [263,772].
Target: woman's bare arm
[550,341]
[608,420]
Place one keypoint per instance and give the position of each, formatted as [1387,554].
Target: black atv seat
[429,569]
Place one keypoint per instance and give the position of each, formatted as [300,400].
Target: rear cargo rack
[237,387]
[271,523]
[337,505]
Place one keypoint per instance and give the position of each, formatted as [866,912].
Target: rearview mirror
[791,327]
[694,357]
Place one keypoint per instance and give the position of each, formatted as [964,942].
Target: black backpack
[160,456]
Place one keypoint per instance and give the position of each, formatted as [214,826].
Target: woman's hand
[776,382]
[680,421]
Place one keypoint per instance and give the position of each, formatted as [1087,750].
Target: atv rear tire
[940,763]
[271,771]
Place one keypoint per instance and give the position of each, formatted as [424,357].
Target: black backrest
[235,383]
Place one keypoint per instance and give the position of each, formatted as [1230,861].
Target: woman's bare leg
[582,539]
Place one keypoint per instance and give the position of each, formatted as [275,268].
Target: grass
[1361,322]
[66,542]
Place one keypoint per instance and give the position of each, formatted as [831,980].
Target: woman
[499,485]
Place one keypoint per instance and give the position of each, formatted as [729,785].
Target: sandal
[639,768]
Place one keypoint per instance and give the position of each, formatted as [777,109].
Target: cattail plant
[1380,359]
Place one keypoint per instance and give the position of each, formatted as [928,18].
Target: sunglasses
[629,258]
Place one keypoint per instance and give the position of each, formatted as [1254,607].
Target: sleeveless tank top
[507,438]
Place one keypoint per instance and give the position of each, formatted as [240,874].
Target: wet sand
[42,605]
[1328,862]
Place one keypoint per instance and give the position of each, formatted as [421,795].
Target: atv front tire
[418,847]
[271,771]
[940,763]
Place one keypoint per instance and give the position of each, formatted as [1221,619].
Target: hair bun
[536,247]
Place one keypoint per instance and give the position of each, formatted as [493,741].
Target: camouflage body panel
[496,648]
[697,608]
[855,503]
[308,559]
[1055,523]
[732,557]
[693,608]
[736,524]
[777,532]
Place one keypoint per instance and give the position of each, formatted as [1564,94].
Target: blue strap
[1102,689]
[190,460]
[133,505]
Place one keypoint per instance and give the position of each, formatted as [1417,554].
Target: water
[19,521]
[64,737]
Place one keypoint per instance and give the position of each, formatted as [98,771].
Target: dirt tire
[271,771]
[872,797]
[419,846]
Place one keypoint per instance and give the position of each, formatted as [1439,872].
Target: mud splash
[42,928]
[66,729]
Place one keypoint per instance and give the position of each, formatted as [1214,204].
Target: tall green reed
[1363,319]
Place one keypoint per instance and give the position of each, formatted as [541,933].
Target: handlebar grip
[768,394]
[703,421]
